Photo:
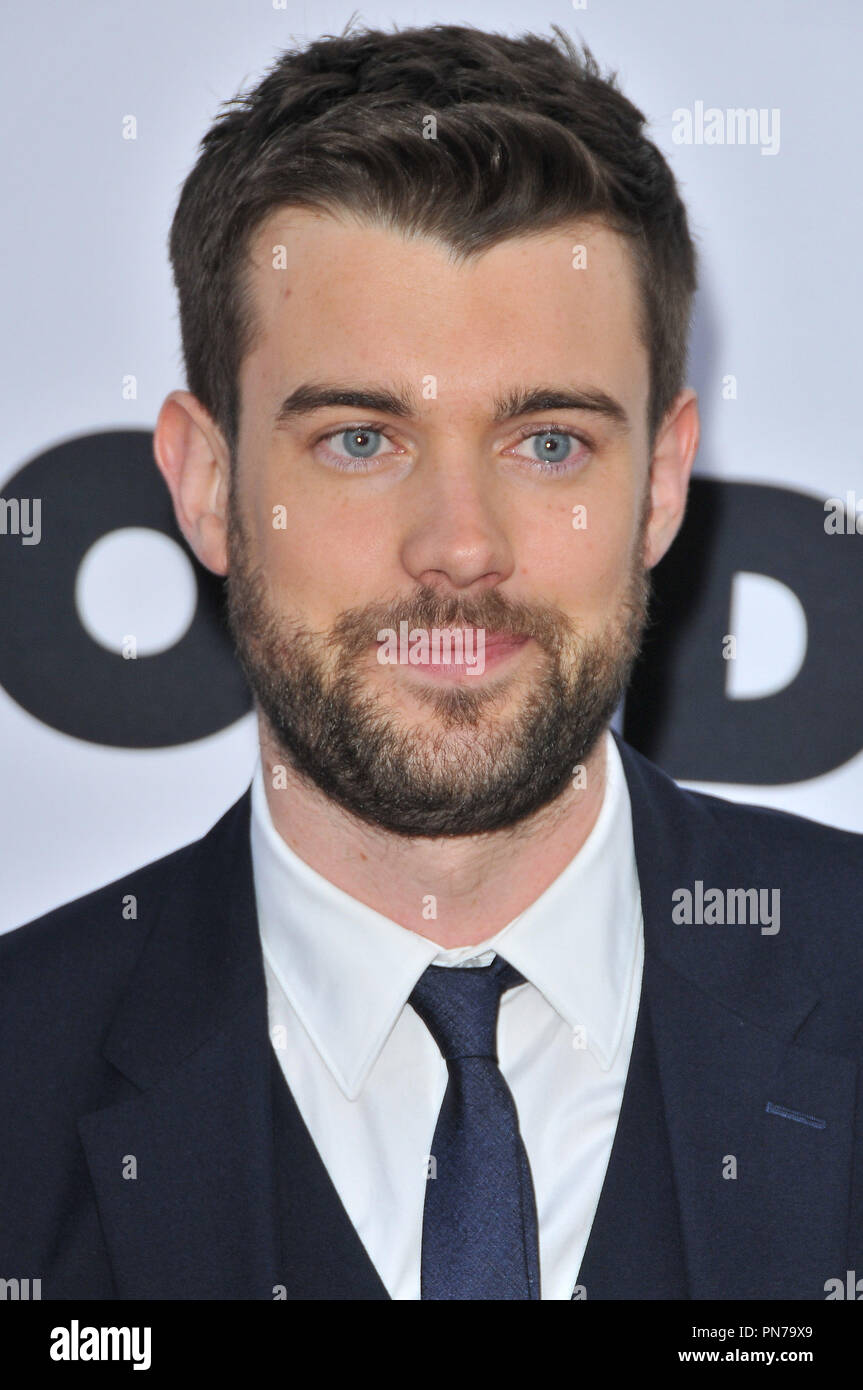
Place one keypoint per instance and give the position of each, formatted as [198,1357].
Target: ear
[194,460]
[671,465]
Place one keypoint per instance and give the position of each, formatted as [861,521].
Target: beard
[465,770]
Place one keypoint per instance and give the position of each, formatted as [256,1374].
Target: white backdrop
[89,302]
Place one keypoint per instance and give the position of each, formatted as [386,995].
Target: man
[465,999]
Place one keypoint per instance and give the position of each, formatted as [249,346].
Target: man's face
[519,526]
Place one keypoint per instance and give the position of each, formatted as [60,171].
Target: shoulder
[85,949]
[760,834]
[778,832]
[695,847]
[61,975]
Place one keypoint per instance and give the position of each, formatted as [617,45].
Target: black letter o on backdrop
[50,665]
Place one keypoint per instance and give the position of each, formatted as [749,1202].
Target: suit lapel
[320,1253]
[635,1249]
[728,1009]
[195,1219]
[184,1167]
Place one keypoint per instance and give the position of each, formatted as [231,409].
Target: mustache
[357,628]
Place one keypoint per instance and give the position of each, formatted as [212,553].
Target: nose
[454,536]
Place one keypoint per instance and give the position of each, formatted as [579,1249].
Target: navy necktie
[479,1220]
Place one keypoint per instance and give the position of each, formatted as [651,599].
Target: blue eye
[552,446]
[556,451]
[360,443]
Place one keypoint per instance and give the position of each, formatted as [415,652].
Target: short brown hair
[529,135]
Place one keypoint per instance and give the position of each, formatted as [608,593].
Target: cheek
[324,553]
[582,567]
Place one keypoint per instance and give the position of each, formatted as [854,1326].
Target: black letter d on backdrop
[677,712]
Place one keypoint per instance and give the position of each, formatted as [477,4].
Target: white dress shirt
[369,1079]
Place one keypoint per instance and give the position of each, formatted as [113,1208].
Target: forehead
[333,296]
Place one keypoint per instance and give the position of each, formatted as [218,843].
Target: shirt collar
[347,970]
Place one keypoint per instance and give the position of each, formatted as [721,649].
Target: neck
[456,891]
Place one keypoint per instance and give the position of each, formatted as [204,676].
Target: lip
[500,648]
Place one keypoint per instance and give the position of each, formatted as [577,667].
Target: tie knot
[459,1006]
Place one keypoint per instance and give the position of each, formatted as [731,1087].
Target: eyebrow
[311,396]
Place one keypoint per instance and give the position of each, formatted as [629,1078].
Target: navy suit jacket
[151,1149]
